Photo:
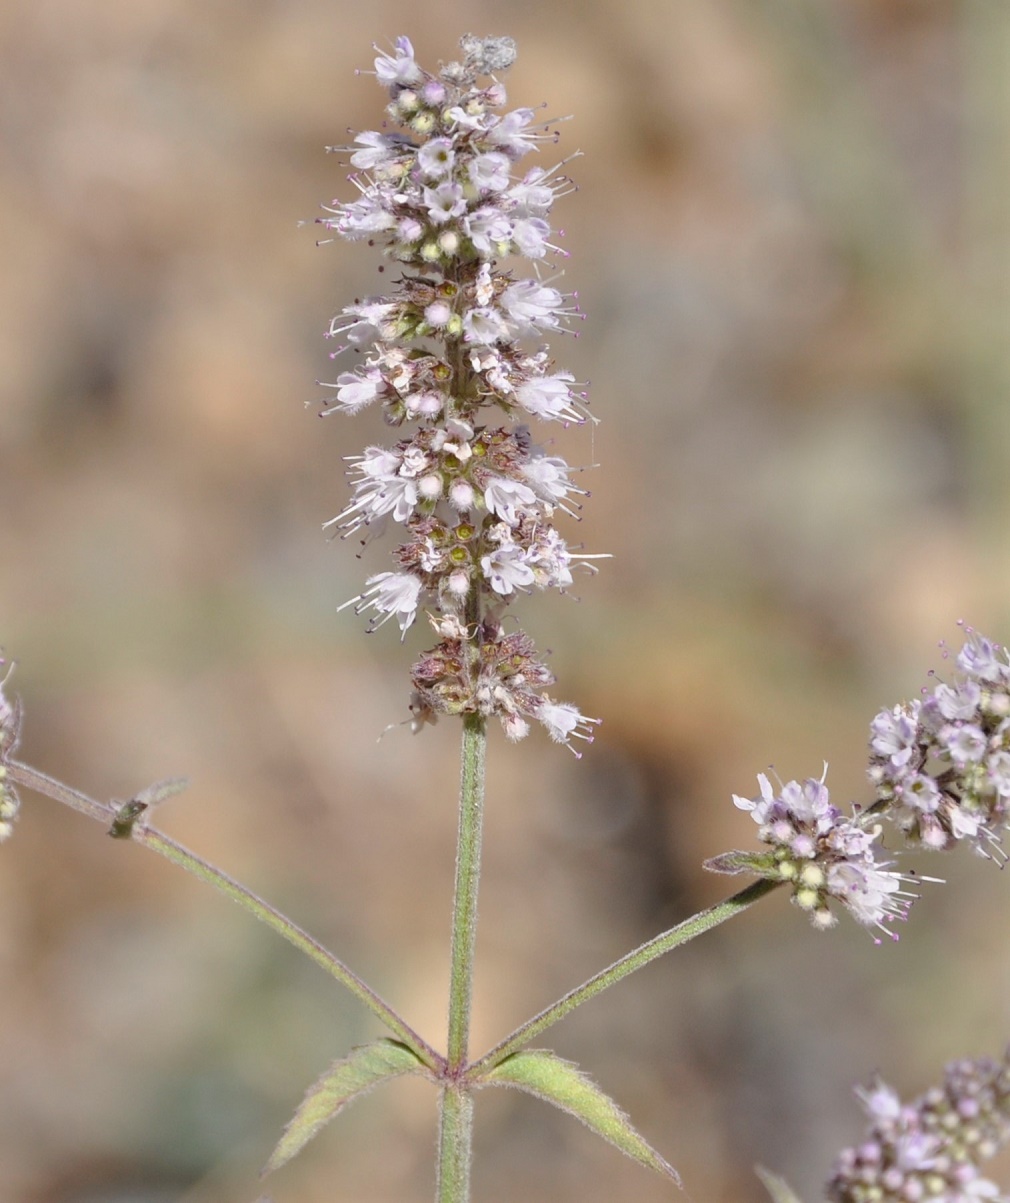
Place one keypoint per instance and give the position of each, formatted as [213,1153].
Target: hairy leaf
[540,1072]
[344,1081]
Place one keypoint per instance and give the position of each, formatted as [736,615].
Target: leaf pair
[536,1071]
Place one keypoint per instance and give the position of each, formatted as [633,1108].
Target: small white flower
[490,172]
[487,228]
[980,658]
[530,236]
[483,286]
[357,391]
[532,306]
[444,202]
[376,149]
[398,68]
[484,326]
[564,722]
[390,593]
[502,496]
[509,132]
[531,194]
[505,568]
[965,742]
[435,158]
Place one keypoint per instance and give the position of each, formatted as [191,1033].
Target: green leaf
[540,1072]
[344,1081]
[778,1188]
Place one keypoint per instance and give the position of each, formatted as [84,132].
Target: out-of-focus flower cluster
[445,200]
[929,1149]
[940,767]
[10,730]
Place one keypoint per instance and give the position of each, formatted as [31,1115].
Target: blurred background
[792,241]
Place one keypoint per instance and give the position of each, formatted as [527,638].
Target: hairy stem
[666,941]
[32,779]
[456,1115]
[455,1131]
[464,911]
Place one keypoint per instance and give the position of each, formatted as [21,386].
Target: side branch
[30,778]
[666,941]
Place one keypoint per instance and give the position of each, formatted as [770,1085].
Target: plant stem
[666,941]
[464,911]
[456,1115]
[160,843]
[455,1140]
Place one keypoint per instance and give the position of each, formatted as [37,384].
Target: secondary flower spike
[822,854]
[941,766]
[930,1149]
[453,355]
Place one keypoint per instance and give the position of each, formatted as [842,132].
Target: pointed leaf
[743,862]
[777,1187]
[344,1081]
[540,1072]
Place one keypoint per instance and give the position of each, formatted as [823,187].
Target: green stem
[455,1131]
[464,911]
[32,779]
[456,1109]
[702,922]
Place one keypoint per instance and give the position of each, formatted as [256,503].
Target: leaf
[778,1188]
[540,1072]
[760,863]
[345,1080]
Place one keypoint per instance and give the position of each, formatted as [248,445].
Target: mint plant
[454,359]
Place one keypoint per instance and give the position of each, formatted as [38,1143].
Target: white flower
[484,326]
[435,158]
[390,593]
[502,496]
[965,742]
[356,391]
[979,658]
[505,569]
[532,306]
[483,286]
[551,560]
[564,722]
[398,68]
[873,895]
[490,172]
[362,218]
[530,236]
[444,202]
[548,475]
[487,228]
[509,133]
[531,194]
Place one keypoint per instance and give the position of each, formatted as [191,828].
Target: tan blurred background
[791,239]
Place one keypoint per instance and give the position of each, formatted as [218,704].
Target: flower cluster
[929,1149]
[10,730]
[822,854]
[477,499]
[941,765]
